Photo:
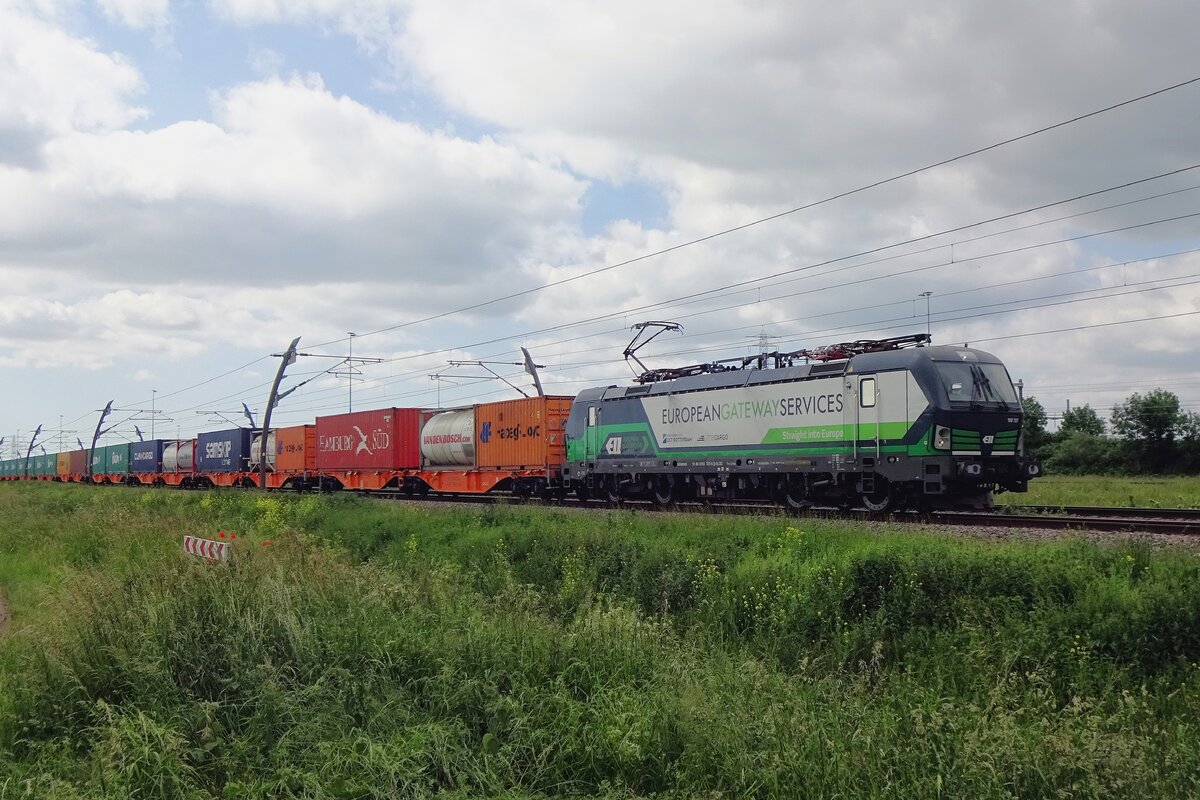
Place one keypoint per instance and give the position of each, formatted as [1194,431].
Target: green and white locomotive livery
[923,427]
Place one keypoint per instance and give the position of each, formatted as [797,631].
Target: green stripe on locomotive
[637,440]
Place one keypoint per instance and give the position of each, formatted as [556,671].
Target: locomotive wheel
[794,496]
[664,492]
[796,501]
[882,499]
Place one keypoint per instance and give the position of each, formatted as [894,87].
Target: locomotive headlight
[941,438]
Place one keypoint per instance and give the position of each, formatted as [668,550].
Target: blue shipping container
[146,456]
[223,451]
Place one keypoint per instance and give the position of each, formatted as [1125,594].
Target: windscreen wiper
[981,387]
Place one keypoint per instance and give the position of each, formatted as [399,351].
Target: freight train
[879,423]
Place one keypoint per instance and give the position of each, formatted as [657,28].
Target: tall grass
[382,651]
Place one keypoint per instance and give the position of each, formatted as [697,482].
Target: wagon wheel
[882,499]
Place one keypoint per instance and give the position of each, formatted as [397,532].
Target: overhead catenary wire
[661,304]
[666,303]
[874,327]
[863,331]
[942,318]
[843,284]
[779,215]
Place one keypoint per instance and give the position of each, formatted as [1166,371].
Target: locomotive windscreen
[970,382]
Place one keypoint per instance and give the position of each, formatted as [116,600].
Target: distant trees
[1151,433]
[1034,426]
[1152,419]
[1083,419]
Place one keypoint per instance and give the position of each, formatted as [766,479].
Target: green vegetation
[1145,491]
[381,650]
[1153,435]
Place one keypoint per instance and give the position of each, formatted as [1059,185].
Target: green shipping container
[116,459]
[97,461]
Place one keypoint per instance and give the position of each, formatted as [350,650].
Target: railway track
[1114,520]
[1111,511]
[1175,521]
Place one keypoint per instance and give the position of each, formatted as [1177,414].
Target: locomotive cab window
[977,384]
[866,392]
[591,416]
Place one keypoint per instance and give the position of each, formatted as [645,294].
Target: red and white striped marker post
[206,548]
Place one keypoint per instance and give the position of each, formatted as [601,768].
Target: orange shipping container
[296,448]
[515,434]
[63,465]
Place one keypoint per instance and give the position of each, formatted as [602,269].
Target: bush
[1080,453]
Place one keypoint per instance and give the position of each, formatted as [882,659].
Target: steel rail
[1110,511]
[1180,522]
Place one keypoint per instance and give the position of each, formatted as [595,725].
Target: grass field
[1160,491]
[383,650]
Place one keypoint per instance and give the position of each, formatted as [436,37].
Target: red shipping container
[78,461]
[387,438]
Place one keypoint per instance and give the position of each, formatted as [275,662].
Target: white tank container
[256,449]
[179,456]
[448,439]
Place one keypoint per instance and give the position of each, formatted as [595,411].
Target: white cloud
[138,13]
[52,83]
[289,180]
[265,62]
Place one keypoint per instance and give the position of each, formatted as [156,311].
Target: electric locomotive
[884,423]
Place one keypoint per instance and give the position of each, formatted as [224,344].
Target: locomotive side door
[862,415]
[592,440]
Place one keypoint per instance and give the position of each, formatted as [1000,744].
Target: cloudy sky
[186,185]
